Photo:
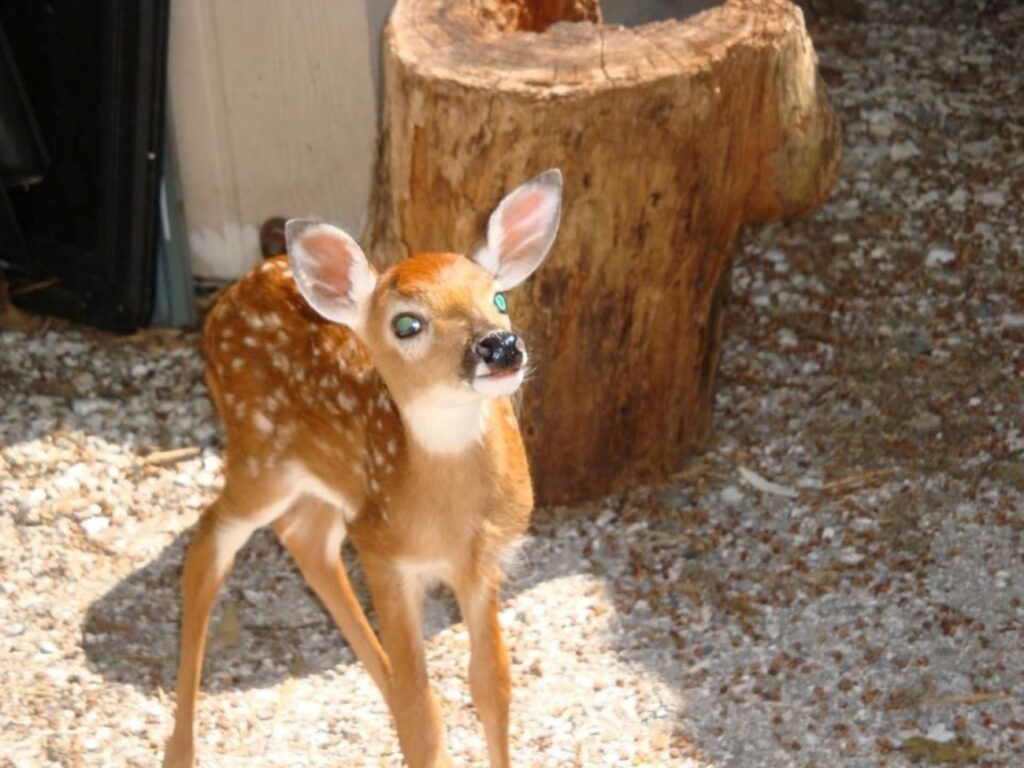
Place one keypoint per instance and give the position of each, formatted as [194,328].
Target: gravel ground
[836,581]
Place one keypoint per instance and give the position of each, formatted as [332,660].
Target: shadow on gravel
[267,625]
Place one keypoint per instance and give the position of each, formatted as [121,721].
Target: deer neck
[443,429]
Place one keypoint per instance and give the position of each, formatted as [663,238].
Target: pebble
[940,733]
[731,495]
[958,199]
[1012,321]
[903,150]
[992,199]
[788,339]
[939,257]
[880,124]
[93,526]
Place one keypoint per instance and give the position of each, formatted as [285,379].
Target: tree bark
[670,136]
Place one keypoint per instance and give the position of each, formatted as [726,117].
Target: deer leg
[222,530]
[313,533]
[398,601]
[211,554]
[489,681]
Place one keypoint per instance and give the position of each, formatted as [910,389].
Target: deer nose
[500,349]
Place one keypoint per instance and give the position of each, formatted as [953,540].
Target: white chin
[498,386]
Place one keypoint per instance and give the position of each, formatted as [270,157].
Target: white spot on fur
[237,364]
[392,446]
[262,423]
[347,402]
[280,361]
[250,341]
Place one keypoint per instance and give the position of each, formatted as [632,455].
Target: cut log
[669,135]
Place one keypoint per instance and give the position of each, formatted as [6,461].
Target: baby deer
[376,407]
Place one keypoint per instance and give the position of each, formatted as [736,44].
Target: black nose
[500,350]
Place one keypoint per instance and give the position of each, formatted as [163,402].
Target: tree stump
[669,135]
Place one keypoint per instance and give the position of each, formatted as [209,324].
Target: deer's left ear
[522,229]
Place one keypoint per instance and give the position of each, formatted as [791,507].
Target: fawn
[376,407]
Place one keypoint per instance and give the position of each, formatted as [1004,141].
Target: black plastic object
[23,158]
[95,74]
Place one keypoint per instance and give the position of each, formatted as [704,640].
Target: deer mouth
[499,383]
[500,373]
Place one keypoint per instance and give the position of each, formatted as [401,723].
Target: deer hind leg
[222,530]
[313,531]
[489,681]
[398,600]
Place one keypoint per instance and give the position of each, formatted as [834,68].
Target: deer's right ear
[330,269]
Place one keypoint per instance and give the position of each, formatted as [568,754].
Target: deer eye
[500,303]
[406,325]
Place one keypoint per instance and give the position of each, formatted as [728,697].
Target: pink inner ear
[333,261]
[522,221]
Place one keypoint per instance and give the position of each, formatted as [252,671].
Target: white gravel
[873,614]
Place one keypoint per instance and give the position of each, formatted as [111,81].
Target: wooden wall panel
[273,110]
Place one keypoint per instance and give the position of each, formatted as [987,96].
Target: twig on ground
[161,458]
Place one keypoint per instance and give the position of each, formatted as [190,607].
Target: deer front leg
[398,601]
[489,681]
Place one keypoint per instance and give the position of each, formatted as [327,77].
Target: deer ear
[522,229]
[330,269]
